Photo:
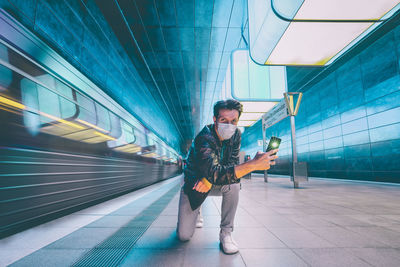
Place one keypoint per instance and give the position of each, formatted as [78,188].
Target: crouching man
[213,169]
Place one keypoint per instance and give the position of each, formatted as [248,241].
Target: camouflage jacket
[213,159]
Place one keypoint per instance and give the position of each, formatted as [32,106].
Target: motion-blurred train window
[5,78]
[140,137]
[64,94]
[116,130]
[29,97]
[20,62]
[128,133]
[3,52]
[163,151]
[5,73]
[103,118]
[87,111]
[64,90]
[67,105]
[49,104]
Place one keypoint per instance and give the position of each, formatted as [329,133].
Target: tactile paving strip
[113,250]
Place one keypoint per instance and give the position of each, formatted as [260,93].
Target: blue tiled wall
[79,32]
[348,124]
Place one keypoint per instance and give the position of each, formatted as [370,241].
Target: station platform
[325,222]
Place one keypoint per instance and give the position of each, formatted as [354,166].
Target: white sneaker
[227,244]
[199,221]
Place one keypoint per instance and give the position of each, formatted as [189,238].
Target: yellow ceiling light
[311,32]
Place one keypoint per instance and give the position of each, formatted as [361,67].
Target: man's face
[229,116]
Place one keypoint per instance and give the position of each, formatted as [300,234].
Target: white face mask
[226,130]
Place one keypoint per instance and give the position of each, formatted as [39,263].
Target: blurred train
[60,148]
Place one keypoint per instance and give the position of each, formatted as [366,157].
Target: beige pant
[187,217]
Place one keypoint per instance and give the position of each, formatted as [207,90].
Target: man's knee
[183,235]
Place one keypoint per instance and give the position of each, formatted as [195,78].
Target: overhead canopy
[257,87]
[311,32]
[251,81]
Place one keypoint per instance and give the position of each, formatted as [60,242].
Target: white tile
[376,220]
[309,221]
[51,257]
[345,238]
[8,256]
[378,256]
[38,237]
[300,238]
[246,221]
[271,221]
[197,257]
[380,234]
[256,238]
[329,257]
[343,220]
[271,257]
[165,221]
[205,238]
[212,221]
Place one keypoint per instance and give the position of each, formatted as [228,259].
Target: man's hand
[261,161]
[202,186]
[264,160]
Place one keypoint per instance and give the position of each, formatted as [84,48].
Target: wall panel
[348,124]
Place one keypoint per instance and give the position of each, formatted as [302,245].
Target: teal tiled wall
[348,124]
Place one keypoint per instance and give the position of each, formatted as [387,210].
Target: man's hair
[227,104]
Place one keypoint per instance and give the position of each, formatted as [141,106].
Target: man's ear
[214,119]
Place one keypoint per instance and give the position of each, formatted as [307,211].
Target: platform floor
[323,223]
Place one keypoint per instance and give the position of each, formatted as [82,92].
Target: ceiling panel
[181,49]
[203,12]
[222,11]
[184,13]
[166,12]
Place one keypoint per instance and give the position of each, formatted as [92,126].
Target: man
[213,169]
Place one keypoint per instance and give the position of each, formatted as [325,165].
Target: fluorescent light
[314,43]
[251,116]
[245,123]
[253,111]
[329,28]
[261,107]
[343,9]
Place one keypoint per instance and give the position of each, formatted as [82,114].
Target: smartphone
[274,143]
